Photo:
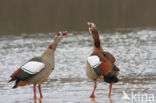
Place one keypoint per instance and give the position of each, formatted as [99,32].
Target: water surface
[135,52]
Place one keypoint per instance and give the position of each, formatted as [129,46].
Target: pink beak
[65,33]
[89,24]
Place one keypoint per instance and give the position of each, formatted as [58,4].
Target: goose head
[59,36]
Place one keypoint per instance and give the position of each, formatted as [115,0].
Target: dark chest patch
[103,53]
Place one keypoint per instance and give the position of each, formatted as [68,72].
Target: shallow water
[135,52]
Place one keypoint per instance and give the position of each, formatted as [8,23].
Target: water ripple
[135,52]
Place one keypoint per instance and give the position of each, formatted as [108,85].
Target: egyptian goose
[100,64]
[37,69]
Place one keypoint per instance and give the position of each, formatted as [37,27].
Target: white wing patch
[94,61]
[33,67]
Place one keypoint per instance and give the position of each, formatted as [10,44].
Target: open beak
[64,33]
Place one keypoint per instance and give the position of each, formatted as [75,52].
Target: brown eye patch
[58,34]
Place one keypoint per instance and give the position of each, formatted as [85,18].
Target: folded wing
[26,71]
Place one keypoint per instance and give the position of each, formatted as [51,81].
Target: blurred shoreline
[43,16]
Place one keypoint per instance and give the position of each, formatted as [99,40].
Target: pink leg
[34,100]
[110,89]
[92,95]
[39,88]
[35,91]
